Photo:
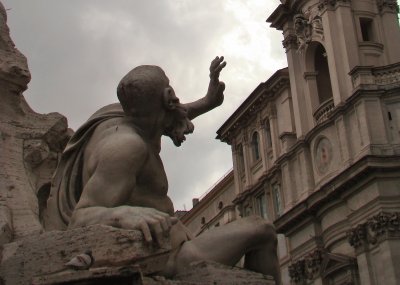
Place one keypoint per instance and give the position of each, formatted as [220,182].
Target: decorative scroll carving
[389,4]
[374,229]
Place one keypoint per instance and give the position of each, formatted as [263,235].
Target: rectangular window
[268,134]
[240,159]
[366,29]
[262,206]
[255,142]
[276,193]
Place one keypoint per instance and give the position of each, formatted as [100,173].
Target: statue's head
[145,92]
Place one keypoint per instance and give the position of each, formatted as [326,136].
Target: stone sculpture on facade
[308,26]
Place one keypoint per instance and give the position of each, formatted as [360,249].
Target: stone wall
[30,144]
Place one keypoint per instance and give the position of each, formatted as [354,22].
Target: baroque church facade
[316,147]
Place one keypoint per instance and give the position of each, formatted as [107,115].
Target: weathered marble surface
[30,144]
[47,253]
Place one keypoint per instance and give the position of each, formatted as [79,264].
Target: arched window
[255,143]
[324,86]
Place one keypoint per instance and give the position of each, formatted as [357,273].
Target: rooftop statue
[111,173]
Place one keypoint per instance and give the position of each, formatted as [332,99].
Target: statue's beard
[179,127]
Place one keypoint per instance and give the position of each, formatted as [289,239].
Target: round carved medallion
[323,155]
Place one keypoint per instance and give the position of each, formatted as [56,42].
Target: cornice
[264,93]
[279,16]
[366,167]
[285,12]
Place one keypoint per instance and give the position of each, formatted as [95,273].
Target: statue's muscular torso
[151,187]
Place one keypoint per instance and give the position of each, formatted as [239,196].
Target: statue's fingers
[164,222]
[220,67]
[144,227]
[215,63]
[157,231]
[165,226]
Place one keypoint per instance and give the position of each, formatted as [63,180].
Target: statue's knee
[267,231]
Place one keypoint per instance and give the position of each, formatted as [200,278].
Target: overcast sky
[79,50]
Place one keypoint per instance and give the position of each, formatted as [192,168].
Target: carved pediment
[323,264]
[332,263]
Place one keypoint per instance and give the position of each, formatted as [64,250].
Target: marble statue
[111,173]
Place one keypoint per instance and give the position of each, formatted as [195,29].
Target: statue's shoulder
[119,139]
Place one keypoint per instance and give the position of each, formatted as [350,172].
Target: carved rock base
[47,253]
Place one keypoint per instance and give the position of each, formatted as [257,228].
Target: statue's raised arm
[111,173]
[215,92]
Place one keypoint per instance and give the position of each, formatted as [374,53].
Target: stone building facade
[214,209]
[316,147]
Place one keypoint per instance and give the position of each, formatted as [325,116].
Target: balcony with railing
[321,114]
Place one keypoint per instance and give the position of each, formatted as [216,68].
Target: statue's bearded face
[179,124]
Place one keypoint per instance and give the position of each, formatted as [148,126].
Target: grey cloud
[78,51]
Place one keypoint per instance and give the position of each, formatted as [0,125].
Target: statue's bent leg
[251,236]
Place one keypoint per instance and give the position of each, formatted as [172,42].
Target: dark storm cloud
[78,51]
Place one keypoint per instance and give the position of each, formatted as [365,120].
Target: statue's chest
[152,177]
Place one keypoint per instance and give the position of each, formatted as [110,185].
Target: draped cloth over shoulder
[66,187]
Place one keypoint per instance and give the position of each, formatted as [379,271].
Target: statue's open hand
[216,88]
[154,224]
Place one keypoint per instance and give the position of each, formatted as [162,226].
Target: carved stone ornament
[306,268]
[308,26]
[289,42]
[374,229]
[320,263]
[389,4]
